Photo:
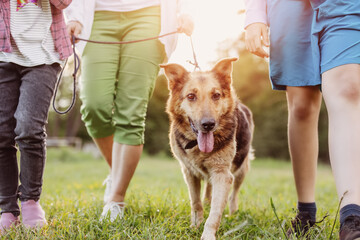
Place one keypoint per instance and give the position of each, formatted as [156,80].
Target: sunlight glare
[215,21]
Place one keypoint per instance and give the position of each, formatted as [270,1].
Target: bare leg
[125,160]
[105,145]
[341,90]
[304,106]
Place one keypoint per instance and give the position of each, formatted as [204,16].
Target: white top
[83,12]
[124,5]
[31,37]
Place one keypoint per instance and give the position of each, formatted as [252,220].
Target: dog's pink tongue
[206,141]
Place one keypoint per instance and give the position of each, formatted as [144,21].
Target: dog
[210,134]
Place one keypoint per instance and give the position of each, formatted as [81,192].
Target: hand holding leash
[74,28]
[257,36]
[186,24]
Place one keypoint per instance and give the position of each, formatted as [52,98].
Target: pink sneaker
[7,221]
[32,214]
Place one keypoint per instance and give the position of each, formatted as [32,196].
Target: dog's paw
[233,208]
[196,219]
[233,204]
[208,236]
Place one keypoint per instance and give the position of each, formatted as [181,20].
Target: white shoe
[107,183]
[113,210]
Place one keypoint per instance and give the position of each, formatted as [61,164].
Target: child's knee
[303,110]
[30,132]
[342,85]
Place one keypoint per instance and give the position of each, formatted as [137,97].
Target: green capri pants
[118,80]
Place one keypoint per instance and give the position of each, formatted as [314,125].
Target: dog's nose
[208,124]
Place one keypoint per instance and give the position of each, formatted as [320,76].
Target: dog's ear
[223,69]
[175,73]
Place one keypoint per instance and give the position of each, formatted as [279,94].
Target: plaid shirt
[58,27]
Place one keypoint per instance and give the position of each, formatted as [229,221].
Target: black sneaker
[300,225]
[350,229]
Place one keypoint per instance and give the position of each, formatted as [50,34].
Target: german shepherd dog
[210,135]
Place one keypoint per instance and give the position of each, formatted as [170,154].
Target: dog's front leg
[221,184]
[207,193]
[194,187]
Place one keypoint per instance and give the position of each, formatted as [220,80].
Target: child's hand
[256,36]
[186,24]
[74,28]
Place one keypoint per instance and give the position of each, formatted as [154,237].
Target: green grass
[158,204]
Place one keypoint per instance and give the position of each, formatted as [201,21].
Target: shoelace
[107,180]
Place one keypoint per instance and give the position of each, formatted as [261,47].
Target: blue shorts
[291,59]
[335,33]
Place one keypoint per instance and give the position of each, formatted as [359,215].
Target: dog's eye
[216,96]
[191,97]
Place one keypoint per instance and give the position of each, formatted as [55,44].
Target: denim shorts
[291,59]
[335,33]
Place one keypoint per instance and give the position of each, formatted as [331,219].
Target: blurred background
[218,33]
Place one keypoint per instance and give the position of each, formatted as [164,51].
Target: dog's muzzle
[205,138]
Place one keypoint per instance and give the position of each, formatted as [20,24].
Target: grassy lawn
[158,204]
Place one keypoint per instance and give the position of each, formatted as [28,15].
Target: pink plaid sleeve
[5,44]
[59,33]
[255,12]
[58,28]
[60,4]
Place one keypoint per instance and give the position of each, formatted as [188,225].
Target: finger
[252,47]
[188,31]
[190,28]
[263,53]
[248,42]
[180,25]
[265,35]
[77,31]
[180,29]
[259,51]
[247,46]
[69,29]
[257,44]
[70,33]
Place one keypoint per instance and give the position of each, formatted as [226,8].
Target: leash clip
[195,63]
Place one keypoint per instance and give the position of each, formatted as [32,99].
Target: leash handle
[76,68]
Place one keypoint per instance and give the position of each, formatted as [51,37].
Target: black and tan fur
[196,99]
